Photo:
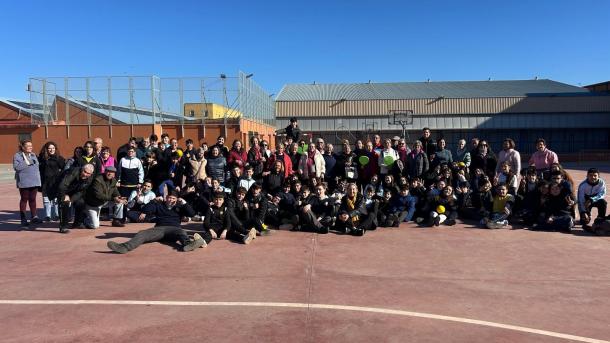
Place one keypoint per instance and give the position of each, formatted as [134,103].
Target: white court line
[314,306]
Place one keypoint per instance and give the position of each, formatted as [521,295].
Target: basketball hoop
[402,118]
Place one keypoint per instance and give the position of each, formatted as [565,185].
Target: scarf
[311,166]
[351,205]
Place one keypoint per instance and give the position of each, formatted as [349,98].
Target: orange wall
[68,137]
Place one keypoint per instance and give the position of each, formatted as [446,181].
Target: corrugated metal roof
[426,90]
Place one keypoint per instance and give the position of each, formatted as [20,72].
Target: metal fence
[104,100]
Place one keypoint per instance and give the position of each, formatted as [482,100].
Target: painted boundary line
[308,306]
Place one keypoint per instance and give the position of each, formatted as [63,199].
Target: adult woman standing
[311,164]
[51,166]
[442,155]
[256,158]
[462,154]
[388,153]
[510,155]
[485,160]
[237,156]
[216,165]
[417,161]
[27,175]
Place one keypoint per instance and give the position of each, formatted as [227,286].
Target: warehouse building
[570,118]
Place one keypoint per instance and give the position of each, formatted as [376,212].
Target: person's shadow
[9,221]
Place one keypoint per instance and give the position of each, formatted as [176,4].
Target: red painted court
[407,284]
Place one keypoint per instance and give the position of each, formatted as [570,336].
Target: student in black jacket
[220,223]
[258,209]
[169,213]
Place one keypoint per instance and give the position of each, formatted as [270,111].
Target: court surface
[459,284]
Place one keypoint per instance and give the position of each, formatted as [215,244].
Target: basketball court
[459,284]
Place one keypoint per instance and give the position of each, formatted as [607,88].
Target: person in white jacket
[384,168]
[591,193]
[311,164]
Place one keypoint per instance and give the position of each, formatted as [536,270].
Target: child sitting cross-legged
[499,209]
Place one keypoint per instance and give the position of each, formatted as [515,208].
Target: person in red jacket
[238,155]
[282,156]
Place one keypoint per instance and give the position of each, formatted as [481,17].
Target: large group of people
[239,192]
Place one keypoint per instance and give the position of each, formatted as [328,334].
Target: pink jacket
[109,162]
[543,159]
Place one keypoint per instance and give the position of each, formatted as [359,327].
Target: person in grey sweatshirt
[27,176]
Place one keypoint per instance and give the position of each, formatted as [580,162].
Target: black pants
[601,205]
[78,203]
[162,233]
[134,217]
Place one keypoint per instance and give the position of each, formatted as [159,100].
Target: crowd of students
[240,193]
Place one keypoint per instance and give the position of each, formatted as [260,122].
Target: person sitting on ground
[500,208]
[257,203]
[403,207]
[144,195]
[103,190]
[219,223]
[316,214]
[556,210]
[591,193]
[444,208]
[167,228]
[352,217]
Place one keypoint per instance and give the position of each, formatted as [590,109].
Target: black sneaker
[194,244]
[450,222]
[436,221]
[24,224]
[35,220]
[47,219]
[117,223]
[357,232]
[117,247]
[323,230]
[63,229]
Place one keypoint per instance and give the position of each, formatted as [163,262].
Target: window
[192,113]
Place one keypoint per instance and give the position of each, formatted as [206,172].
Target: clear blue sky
[299,42]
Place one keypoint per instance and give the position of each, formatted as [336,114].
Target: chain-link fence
[106,100]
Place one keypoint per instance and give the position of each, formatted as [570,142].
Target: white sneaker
[251,235]
[197,218]
[197,236]
[492,225]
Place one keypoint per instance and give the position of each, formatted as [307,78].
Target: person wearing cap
[103,191]
[395,141]
[168,213]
